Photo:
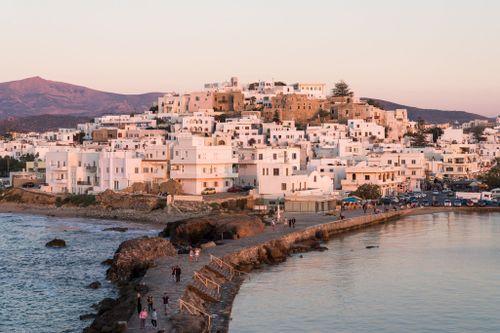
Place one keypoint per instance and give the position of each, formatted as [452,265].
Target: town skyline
[388,53]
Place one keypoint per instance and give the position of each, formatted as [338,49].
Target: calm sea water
[44,289]
[431,273]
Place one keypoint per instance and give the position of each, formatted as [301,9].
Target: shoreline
[248,258]
[155,218]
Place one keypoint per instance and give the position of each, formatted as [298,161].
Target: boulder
[87,316]
[194,231]
[56,242]
[208,245]
[135,256]
[20,195]
[94,285]
[107,262]
[119,229]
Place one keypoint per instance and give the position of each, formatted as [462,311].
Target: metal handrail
[206,281]
[222,263]
[192,309]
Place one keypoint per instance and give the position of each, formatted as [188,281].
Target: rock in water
[119,229]
[88,316]
[95,285]
[56,242]
[107,262]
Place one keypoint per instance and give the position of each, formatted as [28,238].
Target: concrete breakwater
[275,250]
[271,251]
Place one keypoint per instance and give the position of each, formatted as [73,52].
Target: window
[275,156]
[413,162]
[294,156]
[227,182]
[353,176]
[205,184]
[276,172]
[367,177]
[216,184]
[136,170]
[283,186]
[260,157]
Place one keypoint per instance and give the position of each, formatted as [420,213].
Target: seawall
[276,250]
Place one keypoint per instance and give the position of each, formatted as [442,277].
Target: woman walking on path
[150,303]
[173,273]
[154,318]
[178,274]
[139,303]
[191,255]
[165,301]
[142,316]
[197,252]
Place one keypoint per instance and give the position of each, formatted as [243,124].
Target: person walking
[173,273]
[165,299]
[143,316]
[191,255]
[289,223]
[273,223]
[365,207]
[197,252]
[139,303]
[150,303]
[293,222]
[178,274]
[154,318]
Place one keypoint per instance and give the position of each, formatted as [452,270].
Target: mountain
[433,116]
[36,96]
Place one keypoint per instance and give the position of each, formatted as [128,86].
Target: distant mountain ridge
[433,116]
[36,96]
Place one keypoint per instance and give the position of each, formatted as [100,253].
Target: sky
[428,53]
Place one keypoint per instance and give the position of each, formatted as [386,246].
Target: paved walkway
[159,280]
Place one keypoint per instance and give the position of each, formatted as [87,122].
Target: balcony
[91,168]
[83,182]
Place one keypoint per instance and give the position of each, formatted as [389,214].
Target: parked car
[482,203]
[447,203]
[451,194]
[457,203]
[208,190]
[247,188]
[435,192]
[426,203]
[235,189]
[467,202]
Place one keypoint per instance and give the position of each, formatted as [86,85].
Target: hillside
[36,96]
[429,115]
[41,123]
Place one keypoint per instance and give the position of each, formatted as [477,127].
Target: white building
[203,162]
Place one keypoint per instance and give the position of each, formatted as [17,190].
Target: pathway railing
[222,264]
[194,310]
[207,282]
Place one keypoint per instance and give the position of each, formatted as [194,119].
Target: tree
[251,142]
[78,137]
[418,138]
[276,117]
[374,103]
[368,192]
[492,177]
[341,89]
[436,133]
[477,133]
[153,108]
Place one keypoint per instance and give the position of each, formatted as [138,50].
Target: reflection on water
[431,273]
[44,289]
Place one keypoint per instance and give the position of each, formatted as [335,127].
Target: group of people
[290,222]
[176,273]
[194,254]
[150,311]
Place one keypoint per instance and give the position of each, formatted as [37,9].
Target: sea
[44,290]
[427,273]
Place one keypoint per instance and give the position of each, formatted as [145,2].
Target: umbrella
[351,199]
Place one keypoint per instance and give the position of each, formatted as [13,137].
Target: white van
[495,193]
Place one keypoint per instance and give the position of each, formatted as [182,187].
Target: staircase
[223,271]
[209,293]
